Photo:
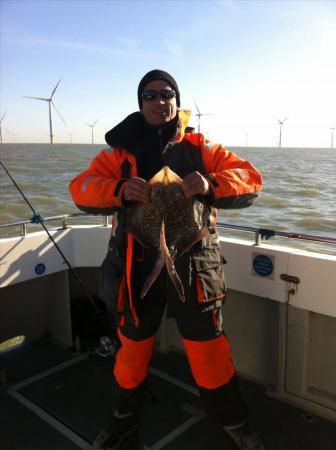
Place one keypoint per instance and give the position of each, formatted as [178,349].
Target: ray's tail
[153,276]
[165,258]
[170,264]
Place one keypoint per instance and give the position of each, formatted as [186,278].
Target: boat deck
[58,400]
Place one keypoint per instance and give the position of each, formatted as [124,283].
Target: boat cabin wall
[42,306]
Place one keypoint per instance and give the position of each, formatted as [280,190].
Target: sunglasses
[165,94]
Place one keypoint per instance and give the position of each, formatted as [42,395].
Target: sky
[247,63]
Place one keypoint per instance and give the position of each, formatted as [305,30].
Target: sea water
[299,192]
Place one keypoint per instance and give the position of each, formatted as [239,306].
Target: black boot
[119,433]
[122,432]
[244,437]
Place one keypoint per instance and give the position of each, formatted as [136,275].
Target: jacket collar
[128,133]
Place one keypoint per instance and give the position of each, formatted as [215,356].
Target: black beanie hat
[157,75]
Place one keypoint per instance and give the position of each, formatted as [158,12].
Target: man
[139,147]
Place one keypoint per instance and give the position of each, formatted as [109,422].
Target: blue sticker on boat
[40,269]
[263,265]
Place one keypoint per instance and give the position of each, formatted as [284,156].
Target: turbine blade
[199,112]
[3,115]
[53,92]
[94,123]
[58,113]
[37,98]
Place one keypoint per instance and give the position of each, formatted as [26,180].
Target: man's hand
[136,190]
[194,184]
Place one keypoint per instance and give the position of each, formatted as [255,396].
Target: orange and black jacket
[234,182]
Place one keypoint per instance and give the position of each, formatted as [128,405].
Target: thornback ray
[169,222]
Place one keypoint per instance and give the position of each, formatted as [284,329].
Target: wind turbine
[70,134]
[281,122]
[50,102]
[199,115]
[3,115]
[91,125]
[332,136]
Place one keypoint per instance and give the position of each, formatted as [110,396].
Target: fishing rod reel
[106,347]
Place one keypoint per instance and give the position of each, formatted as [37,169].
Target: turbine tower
[281,122]
[50,102]
[199,115]
[332,136]
[3,115]
[70,134]
[91,125]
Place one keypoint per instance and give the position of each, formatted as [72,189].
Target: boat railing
[260,234]
[266,233]
[64,218]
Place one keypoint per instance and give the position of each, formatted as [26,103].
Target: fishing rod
[37,218]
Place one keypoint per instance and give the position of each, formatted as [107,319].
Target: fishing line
[37,218]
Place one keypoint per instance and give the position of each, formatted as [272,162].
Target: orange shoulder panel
[101,185]
[228,174]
